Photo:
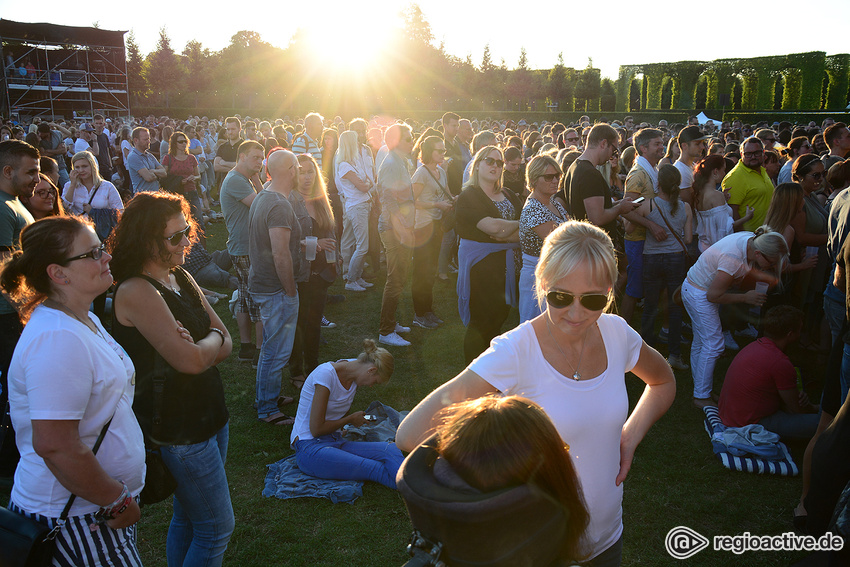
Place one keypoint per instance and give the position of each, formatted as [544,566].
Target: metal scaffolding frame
[52,70]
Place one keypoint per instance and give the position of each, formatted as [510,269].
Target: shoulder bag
[104,219]
[27,542]
[171,183]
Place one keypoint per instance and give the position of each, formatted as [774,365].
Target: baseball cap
[691,134]
[87,127]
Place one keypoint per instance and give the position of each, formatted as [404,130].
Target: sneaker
[354,286]
[327,324]
[393,339]
[433,318]
[729,341]
[749,332]
[424,322]
[443,277]
[401,329]
[212,299]
[363,283]
[676,363]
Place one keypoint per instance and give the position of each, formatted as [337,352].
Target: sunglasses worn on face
[95,254]
[177,237]
[591,301]
[550,177]
[493,161]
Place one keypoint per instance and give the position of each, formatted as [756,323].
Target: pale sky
[612,32]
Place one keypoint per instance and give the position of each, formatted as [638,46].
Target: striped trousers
[78,546]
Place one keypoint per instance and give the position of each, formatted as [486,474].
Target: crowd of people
[720,232]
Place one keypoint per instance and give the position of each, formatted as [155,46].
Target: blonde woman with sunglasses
[572,361]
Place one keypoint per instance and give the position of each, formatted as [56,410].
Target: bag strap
[440,185]
[676,236]
[94,193]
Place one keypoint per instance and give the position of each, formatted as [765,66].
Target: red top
[183,168]
[755,377]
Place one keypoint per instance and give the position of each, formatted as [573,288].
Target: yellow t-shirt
[638,181]
[749,188]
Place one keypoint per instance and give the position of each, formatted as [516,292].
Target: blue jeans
[660,271]
[792,425]
[279,314]
[203,516]
[331,457]
[634,269]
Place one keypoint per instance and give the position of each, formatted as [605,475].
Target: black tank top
[193,406]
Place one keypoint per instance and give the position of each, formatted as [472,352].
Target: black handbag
[159,482]
[27,542]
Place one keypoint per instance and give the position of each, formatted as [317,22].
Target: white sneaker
[363,283]
[401,329]
[354,286]
[676,363]
[393,339]
[749,332]
[729,341]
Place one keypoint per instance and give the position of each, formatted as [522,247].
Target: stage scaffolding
[62,72]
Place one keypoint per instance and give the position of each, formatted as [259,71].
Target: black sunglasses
[550,177]
[95,254]
[591,301]
[177,237]
[493,161]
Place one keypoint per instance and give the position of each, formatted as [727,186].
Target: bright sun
[357,51]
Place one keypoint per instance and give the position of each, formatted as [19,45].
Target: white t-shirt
[353,195]
[339,401]
[126,148]
[81,146]
[729,254]
[589,414]
[107,197]
[687,173]
[62,371]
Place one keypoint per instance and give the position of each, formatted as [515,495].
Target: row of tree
[253,75]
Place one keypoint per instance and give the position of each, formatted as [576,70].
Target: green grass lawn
[675,479]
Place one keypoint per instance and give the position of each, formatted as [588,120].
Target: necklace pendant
[576,376]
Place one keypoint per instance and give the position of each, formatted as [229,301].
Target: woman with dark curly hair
[161,316]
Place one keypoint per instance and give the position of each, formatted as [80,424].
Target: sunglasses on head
[550,177]
[493,161]
[177,237]
[95,254]
[591,301]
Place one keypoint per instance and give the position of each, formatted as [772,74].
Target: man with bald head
[273,247]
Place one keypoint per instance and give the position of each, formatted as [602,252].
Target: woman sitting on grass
[326,397]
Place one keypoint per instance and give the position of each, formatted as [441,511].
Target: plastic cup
[330,256]
[312,243]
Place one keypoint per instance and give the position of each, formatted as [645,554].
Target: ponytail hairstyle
[772,245]
[48,241]
[378,357]
[702,173]
[669,179]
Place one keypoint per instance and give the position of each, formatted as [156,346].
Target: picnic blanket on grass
[774,459]
[285,480]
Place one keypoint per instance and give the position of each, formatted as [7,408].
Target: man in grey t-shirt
[274,250]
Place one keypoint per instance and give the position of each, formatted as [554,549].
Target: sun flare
[351,40]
